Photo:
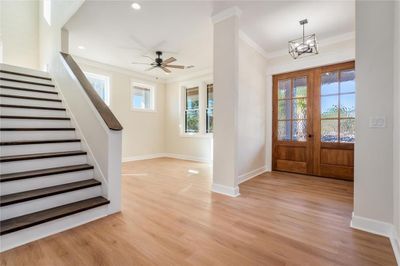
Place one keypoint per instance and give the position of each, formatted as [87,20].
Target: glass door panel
[292,109]
[337,110]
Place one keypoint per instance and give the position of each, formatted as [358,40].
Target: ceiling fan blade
[169,60]
[150,68]
[166,69]
[175,66]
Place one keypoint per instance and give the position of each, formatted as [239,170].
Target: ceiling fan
[163,64]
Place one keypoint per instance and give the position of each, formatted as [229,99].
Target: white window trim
[153,91]
[205,107]
[107,88]
[202,85]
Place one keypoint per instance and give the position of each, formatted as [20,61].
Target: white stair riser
[25,85]
[16,101]
[30,234]
[38,148]
[23,78]
[29,93]
[30,165]
[31,112]
[43,181]
[39,123]
[36,205]
[24,70]
[36,135]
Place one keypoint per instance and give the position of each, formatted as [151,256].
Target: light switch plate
[377,121]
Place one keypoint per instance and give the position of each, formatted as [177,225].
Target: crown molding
[322,43]
[226,13]
[190,76]
[244,37]
[117,69]
[165,80]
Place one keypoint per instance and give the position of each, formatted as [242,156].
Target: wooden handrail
[104,111]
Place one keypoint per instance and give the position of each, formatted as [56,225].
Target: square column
[226,88]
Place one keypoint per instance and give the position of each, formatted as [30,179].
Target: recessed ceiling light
[81,47]
[136,6]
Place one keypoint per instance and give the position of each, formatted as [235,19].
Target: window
[338,106]
[197,109]
[210,109]
[101,84]
[292,109]
[192,110]
[142,97]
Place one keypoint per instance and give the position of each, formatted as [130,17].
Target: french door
[314,121]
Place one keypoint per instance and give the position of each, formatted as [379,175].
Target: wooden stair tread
[23,74]
[33,107]
[29,98]
[29,220]
[37,129]
[27,82]
[26,89]
[34,117]
[44,172]
[29,142]
[12,158]
[46,192]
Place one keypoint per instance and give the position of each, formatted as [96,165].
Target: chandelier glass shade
[303,45]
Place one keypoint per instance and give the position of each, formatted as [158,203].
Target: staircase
[45,176]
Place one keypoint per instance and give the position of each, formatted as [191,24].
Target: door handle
[310,135]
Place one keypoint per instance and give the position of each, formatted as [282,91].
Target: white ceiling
[115,34]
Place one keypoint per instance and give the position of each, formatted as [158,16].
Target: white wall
[396,144]
[148,134]
[251,110]
[143,132]
[19,33]
[373,191]
[50,35]
[176,143]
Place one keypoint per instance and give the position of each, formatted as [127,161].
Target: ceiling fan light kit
[303,45]
[163,64]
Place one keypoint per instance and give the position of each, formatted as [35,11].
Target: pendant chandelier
[303,45]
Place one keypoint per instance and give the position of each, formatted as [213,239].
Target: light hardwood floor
[170,217]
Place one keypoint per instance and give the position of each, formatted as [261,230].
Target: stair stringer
[107,164]
[97,173]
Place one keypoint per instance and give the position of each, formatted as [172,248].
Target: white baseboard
[168,155]
[142,157]
[371,226]
[378,228]
[395,241]
[187,157]
[251,174]
[225,190]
